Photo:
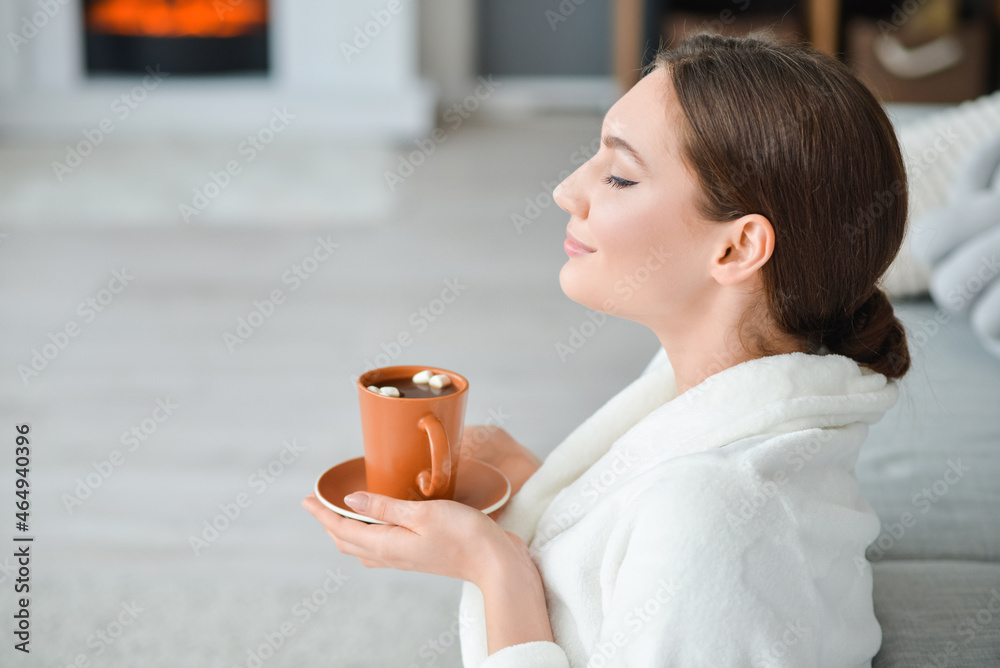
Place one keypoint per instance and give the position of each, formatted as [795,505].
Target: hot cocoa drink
[412,447]
[411,390]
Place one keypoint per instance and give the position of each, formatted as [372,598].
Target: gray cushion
[931,467]
[937,613]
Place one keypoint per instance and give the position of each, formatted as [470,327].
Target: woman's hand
[495,446]
[451,539]
[439,537]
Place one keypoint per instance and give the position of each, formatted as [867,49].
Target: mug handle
[435,480]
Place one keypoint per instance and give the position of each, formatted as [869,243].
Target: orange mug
[411,444]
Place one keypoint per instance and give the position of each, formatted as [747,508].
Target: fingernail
[357,500]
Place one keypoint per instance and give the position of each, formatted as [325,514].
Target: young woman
[745,201]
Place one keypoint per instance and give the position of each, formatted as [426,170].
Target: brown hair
[787,132]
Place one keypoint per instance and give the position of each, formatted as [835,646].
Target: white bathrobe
[721,527]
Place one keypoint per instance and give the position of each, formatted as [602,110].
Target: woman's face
[636,247]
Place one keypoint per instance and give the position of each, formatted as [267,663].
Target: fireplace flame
[177,18]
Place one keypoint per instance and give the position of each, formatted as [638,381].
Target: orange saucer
[479,486]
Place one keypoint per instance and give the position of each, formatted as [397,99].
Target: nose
[569,197]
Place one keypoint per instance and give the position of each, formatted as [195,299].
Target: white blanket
[721,527]
[961,243]
[934,147]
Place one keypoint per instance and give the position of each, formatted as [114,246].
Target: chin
[574,287]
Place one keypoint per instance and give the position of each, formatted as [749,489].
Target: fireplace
[188,37]
[229,69]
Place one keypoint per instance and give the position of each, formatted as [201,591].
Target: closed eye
[618,182]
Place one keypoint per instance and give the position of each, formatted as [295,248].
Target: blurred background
[215,214]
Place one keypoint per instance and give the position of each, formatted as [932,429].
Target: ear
[745,245]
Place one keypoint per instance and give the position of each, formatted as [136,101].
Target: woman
[745,201]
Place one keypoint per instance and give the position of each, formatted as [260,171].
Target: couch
[931,470]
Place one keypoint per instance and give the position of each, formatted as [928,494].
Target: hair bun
[872,336]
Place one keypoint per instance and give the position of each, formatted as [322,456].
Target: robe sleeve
[539,654]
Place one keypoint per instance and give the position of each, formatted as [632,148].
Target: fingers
[333,523]
[318,510]
[346,547]
[385,508]
[336,527]
[371,539]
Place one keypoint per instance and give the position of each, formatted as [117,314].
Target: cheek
[623,239]
[628,233]
[655,253]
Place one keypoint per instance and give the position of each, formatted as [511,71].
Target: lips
[575,247]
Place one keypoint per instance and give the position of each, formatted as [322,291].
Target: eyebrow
[613,142]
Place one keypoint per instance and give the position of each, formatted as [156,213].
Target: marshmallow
[389,391]
[373,388]
[439,381]
[423,377]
